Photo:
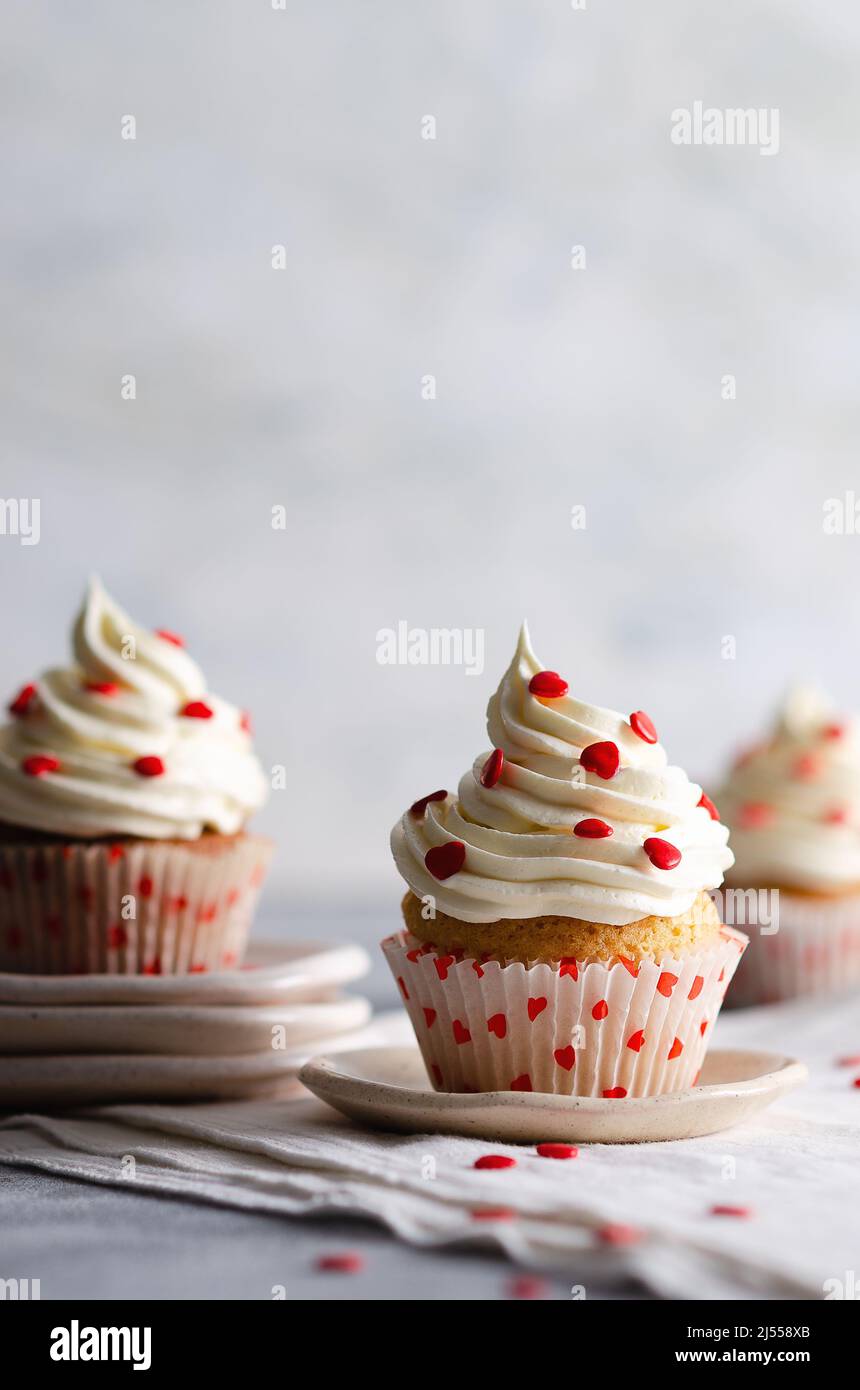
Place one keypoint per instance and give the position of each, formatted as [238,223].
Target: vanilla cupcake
[125,787]
[559,934]
[793,805]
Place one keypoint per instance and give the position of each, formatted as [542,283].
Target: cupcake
[793,806]
[558,933]
[124,791]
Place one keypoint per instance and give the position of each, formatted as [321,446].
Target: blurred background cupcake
[793,807]
[125,787]
[558,933]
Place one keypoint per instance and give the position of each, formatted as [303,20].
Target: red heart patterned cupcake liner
[581,1028]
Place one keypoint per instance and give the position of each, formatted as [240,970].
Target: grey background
[555,387]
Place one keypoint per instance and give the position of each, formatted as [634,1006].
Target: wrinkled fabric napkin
[791,1176]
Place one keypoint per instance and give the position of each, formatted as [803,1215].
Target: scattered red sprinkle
[557,1151]
[642,725]
[753,815]
[615,1233]
[833,731]
[442,861]
[170,637]
[245,722]
[40,763]
[495,1161]
[22,701]
[852,1061]
[806,767]
[102,687]
[662,854]
[856,1082]
[528,1286]
[709,806]
[419,807]
[492,769]
[197,709]
[350,1262]
[601,758]
[493,1214]
[723,1209]
[548,685]
[149,767]
[592,829]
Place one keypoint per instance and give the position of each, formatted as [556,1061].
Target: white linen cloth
[796,1167]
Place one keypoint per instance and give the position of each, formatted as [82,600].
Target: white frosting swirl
[522,858]
[211,779]
[793,803]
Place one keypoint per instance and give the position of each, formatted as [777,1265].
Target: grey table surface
[82,1241]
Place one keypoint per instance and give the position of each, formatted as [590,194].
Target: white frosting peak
[522,858]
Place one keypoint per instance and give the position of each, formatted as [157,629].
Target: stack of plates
[93,1039]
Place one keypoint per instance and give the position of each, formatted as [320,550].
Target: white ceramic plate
[389,1088]
[193,1029]
[274,972]
[30,1083]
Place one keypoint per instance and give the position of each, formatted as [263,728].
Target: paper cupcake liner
[816,950]
[128,908]
[572,1028]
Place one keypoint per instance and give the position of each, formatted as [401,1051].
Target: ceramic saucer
[389,1088]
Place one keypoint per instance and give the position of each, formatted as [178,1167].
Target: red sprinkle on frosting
[662,854]
[601,758]
[806,767]
[167,636]
[197,709]
[833,731]
[709,806]
[245,722]
[22,701]
[419,807]
[642,725]
[102,687]
[149,767]
[592,829]
[754,815]
[548,685]
[40,763]
[443,861]
[492,769]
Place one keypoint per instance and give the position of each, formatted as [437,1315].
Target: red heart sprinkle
[616,1093]
[442,964]
[615,1233]
[643,726]
[636,1041]
[856,1082]
[498,1024]
[402,983]
[40,763]
[149,767]
[806,767]
[833,731]
[102,687]
[492,769]
[419,807]
[429,1017]
[443,861]
[696,987]
[348,1263]
[568,966]
[23,700]
[197,709]
[600,1010]
[754,815]
[723,1209]
[521,1083]
[495,1161]
[709,806]
[601,759]
[245,722]
[461,1033]
[592,829]
[557,1151]
[675,1050]
[662,854]
[535,1007]
[666,983]
[548,685]
[565,1057]
[171,637]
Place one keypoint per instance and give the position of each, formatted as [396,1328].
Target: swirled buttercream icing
[126,740]
[793,802]
[574,812]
